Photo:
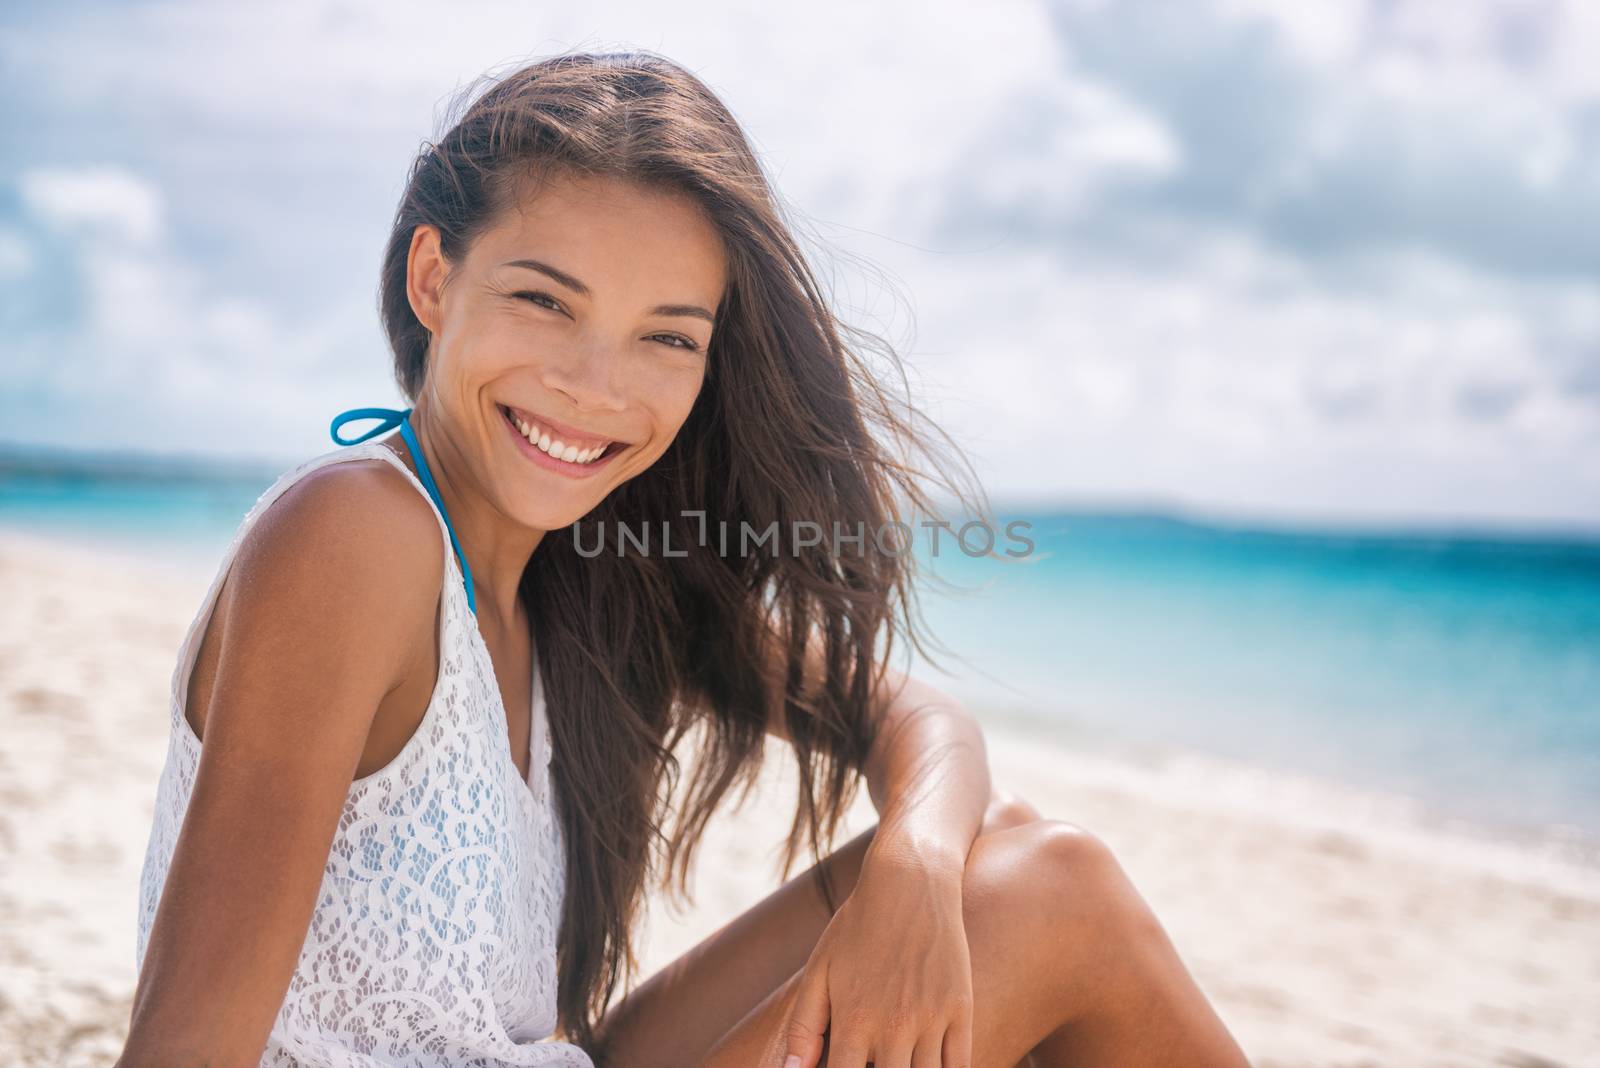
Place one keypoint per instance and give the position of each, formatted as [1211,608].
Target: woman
[423,733]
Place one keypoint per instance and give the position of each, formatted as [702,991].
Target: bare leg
[672,1018]
[1066,957]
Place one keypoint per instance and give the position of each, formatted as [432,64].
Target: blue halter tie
[389,419]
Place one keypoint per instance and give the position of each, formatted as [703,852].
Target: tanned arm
[927,774]
[326,599]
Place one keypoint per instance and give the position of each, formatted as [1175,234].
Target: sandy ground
[1330,927]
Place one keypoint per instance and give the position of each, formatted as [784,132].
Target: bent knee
[1066,870]
[1006,810]
[1075,852]
[1055,895]
[1092,882]
[1046,878]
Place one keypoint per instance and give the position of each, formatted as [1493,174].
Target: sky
[1326,262]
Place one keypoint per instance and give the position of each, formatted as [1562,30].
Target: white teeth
[555,447]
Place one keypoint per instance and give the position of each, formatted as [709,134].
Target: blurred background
[1279,322]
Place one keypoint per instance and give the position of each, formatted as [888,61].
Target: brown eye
[685,343]
[553,305]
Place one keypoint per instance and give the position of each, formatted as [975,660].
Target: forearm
[928,776]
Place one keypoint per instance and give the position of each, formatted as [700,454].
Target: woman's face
[570,344]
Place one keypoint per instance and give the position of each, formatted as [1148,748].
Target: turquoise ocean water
[1462,670]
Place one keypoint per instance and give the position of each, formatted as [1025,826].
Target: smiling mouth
[578,453]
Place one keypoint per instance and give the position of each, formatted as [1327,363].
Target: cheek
[499,346]
[669,392]
[684,400]
[472,354]
[669,404]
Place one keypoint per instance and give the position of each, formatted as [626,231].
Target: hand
[890,979]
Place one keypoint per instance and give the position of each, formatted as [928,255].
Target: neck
[496,546]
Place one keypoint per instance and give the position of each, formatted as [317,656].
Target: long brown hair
[791,425]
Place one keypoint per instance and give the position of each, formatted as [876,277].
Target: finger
[893,1051]
[808,1019]
[958,1042]
[930,1050]
[848,1038]
[848,1049]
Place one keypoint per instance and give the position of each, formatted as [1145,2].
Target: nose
[588,373]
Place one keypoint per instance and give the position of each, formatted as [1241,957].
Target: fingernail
[792,1061]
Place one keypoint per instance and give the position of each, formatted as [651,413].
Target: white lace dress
[433,940]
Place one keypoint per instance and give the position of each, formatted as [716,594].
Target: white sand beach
[1330,926]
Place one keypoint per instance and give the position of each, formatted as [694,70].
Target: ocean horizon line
[29,459]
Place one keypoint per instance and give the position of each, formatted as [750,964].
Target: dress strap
[389,418]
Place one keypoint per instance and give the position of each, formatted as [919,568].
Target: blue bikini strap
[389,418]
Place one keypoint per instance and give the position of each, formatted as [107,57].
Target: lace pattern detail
[432,943]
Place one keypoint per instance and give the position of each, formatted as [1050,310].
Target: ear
[425,274]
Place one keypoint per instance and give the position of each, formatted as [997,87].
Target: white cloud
[1326,127]
[16,256]
[157,356]
[104,199]
[1237,377]
[1061,141]
[1330,257]
[1440,49]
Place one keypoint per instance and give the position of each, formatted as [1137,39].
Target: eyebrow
[693,310]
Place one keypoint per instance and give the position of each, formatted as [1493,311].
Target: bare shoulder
[362,512]
[356,530]
[324,605]
[342,572]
